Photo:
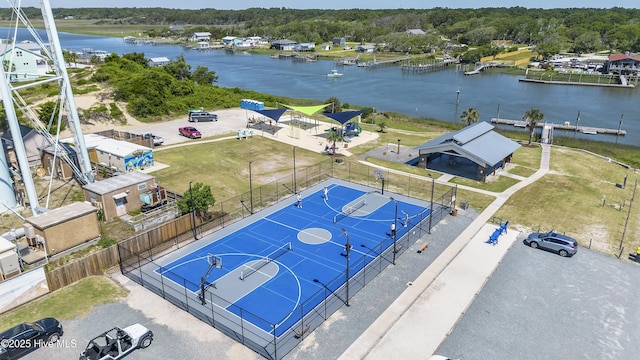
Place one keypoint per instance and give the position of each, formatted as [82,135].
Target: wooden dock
[377,63]
[426,68]
[563,127]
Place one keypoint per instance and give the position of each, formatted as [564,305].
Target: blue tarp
[343,117]
[274,114]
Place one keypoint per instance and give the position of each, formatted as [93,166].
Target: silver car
[561,244]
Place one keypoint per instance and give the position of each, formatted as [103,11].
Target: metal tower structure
[13,103]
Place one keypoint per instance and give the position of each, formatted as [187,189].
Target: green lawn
[224,165]
[67,303]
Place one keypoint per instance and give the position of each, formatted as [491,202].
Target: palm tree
[470,116]
[532,117]
[333,136]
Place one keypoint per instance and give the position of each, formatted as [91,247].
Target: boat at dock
[334,74]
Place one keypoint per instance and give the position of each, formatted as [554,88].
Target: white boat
[334,74]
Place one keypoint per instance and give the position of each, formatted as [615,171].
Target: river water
[388,89]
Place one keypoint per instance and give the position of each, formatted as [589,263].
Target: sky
[330,4]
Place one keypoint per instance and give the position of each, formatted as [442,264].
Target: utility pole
[628,214]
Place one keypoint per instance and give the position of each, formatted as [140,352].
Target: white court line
[299,230]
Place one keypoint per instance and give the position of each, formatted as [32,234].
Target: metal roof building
[478,144]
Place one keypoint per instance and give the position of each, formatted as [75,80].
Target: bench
[300,333]
[423,247]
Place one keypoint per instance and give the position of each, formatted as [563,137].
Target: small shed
[66,227]
[339,41]
[118,195]
[9,262]
[60,169]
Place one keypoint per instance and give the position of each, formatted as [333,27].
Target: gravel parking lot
[229,121]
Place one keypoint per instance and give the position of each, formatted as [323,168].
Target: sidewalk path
[420,319]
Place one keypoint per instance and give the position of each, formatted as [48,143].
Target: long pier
[377,63]
[564,127]
[625,85]
[425,68]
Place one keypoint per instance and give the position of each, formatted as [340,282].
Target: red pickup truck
[190,132]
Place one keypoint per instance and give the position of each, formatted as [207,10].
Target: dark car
[198,116]
[26,337]
[561,244]
[190,132]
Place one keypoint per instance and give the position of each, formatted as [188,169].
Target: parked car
[552,241]
[190,132]
[157,140]
[198,116]
[26,337]
[117,343]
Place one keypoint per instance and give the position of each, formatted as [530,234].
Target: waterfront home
[365,48]
[26,61]
[284,45]
[201,36]
[622,64]
[304,47]
[230,40]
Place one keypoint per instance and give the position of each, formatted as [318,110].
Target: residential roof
[61,214]
[617,57]
[24,131]
[283,42]
[201,34]
[416,32]
[117,183]
[477,142]
[28,46]
[111,146]
[161,59]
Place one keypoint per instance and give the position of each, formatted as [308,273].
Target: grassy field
[67,303]
[92,27]
[224,165]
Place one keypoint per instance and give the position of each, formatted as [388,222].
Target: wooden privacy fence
[94,264]
[97,263]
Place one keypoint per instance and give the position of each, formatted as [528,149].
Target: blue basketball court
[265,270]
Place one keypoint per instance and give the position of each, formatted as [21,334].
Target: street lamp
[192,217]
[395,229]
[433,181]
[250,190]
[294,171]
[347,250]
[398,146]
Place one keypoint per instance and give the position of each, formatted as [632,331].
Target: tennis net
[349,209]
[249,270]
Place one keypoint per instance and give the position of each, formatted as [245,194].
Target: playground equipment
[245,133]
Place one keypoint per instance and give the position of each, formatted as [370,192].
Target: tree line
[552,30]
